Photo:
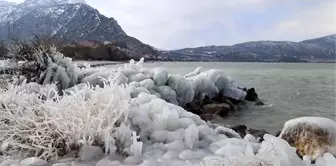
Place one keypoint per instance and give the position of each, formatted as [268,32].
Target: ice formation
[317,132]
[121,111]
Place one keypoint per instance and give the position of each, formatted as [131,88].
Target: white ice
[122,117]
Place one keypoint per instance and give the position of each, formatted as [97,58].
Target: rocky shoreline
[220,106]
[143,116]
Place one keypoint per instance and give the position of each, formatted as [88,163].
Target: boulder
[221,109]
[259,103]
[277,133]
[207,117]
[234,104]
[251,95]
[87,153]
[258,134]
[240,129]
[194,106]
[312,136]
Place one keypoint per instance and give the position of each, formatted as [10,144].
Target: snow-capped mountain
[326,41]
[321,49]
[6,8]
[53,2]
[69,20]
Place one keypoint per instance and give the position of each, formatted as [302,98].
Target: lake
[290,90]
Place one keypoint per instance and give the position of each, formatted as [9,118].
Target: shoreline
[164,110]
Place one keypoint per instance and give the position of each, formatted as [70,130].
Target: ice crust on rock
[117,111]
[313,136]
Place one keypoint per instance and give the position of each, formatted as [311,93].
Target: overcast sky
[172,24]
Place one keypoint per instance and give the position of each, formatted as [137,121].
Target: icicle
[136,147]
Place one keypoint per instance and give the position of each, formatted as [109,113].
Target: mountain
[315,50]
[67,20]
[326,41]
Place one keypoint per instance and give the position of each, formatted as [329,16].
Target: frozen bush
[28,124]
[44,64]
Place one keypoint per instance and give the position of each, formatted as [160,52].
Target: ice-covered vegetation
[133,112]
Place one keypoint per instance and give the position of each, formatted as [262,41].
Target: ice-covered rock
[97,78]
[196,72]
[221,109]
[62,164]
[234,161]
[312,136]
[147,103]
[87,153]
[192,155]
[279,152]
[77,163]
[160,76]
[183,89]
[133,160]
[104,162]
[203,86]
[167,93]
[136,91]
[176,146]
[33,161]
[219,78]
[234,93]
[136,77]
[250,138]
[191,136]
[9,162]
[327,160]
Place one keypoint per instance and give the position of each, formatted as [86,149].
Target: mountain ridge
[322,49]
[67,20]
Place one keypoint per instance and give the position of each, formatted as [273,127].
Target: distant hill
[326,41]
[321,49]
[67,20]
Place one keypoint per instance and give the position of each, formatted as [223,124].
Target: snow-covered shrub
[30,126]
[43,64]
